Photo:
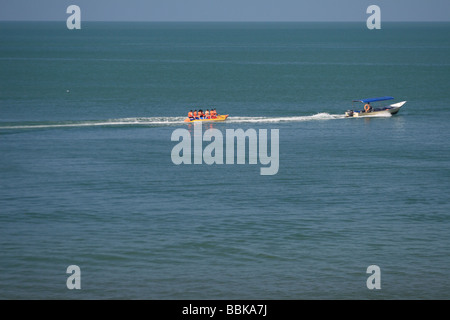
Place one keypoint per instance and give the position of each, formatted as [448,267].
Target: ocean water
[87,178]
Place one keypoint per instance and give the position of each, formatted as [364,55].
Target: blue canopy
[374,99]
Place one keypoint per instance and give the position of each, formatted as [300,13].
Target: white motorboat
[370,111]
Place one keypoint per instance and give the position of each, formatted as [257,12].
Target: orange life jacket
[195,113]
[190,115]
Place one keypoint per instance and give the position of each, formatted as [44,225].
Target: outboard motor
[349,113]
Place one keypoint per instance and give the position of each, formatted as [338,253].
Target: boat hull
[392,109]
[221,117]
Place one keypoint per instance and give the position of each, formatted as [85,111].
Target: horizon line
[228,21]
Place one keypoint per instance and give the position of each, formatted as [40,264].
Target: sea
[93,206]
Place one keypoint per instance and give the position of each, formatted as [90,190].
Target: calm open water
[86,176]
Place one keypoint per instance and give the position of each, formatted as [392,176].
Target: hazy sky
[226,10]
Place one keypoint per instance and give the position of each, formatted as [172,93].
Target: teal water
[86,176]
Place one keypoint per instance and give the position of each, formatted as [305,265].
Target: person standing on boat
[367,107]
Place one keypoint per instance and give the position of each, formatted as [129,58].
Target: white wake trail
[163,121]
[144,121]
[319,116]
